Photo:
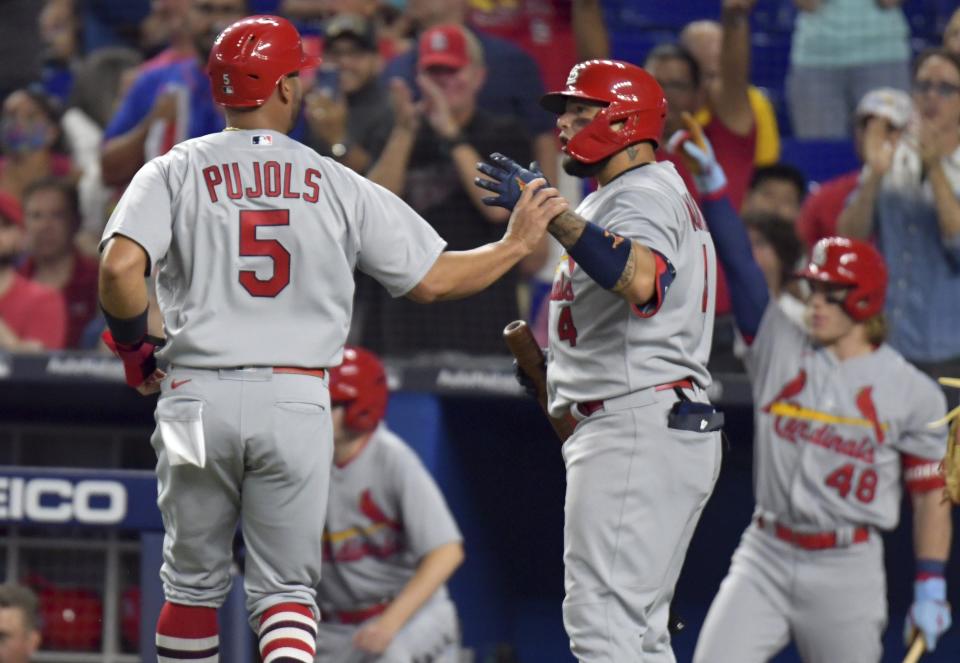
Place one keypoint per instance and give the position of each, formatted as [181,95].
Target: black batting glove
[508,179]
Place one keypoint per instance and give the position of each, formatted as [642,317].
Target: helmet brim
[556,102]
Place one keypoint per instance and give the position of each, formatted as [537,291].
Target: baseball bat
[531,361]
[917,648]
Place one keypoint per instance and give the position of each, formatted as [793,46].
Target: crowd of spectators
[411,94]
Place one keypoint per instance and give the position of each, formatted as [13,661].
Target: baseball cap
[351,26]
[889,103]
[443,46]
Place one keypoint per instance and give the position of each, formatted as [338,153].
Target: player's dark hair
[24,600]
[876,329]
[673,51]
[938,53]
[65,188]
[781,171]
[781,234]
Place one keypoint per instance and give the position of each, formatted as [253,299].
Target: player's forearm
[636,281]
[589,31]
[932,526]
[465,158]
[856,220]
[390,169]
[122,156]
[948,207]
[434,570]
[122,288]
[733,105]
[458,274]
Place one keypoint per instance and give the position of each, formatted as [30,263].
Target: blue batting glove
[508,179]
[706,171]
[930,612]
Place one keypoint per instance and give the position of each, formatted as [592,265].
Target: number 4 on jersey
[566,330]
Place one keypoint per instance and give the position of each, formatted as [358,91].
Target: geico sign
[61,501]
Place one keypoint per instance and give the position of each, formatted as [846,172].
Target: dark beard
[579,169]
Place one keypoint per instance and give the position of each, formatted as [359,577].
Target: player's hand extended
[930,612]
[139,363]
[697,153]
[538,205]
[508,179]
[374,636]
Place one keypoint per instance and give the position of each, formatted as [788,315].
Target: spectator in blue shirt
[170,103]
[513,85]
[908,200]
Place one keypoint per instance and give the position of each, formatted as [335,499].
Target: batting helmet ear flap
[601,138]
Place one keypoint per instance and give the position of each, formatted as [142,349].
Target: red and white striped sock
[187,633]
[288,634]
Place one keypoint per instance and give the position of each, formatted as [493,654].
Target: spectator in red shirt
[882,115]
[51,220]
[32,316]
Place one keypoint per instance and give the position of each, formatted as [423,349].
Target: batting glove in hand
[930,612]
[509,180]
[139,362]
[524,380]
[697,153]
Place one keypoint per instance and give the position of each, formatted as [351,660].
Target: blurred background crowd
[829,116]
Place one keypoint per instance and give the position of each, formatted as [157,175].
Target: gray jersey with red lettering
[831,435]
[601,346]
[385,512]
[255,238]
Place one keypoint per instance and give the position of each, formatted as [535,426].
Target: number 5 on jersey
[251,245]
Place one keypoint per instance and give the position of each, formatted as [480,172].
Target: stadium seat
[820,160]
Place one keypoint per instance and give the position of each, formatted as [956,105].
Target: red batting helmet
[251,56]
[360,384]
[632,96]
[854,264]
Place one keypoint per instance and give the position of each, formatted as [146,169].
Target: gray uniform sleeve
[645,216]
[427,521]
[144,213]
[778,336]
[397,247]
[926,403]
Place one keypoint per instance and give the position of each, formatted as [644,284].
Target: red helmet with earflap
[360,384]
[631,95]
[854,264]
[250,57]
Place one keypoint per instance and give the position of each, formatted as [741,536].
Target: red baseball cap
[443,46]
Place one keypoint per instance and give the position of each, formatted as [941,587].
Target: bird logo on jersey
[381,539]
[617,239]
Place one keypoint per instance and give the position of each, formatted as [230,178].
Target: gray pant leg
[432,634]
[635,490]
[285,487]
[200,506]
[842,605]
[335,644]
[748,619]
[817,97]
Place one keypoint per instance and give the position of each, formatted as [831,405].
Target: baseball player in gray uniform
[840,420]
[390,542]
[631,320]
[254,239]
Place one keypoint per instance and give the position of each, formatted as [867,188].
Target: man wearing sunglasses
[908,203]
